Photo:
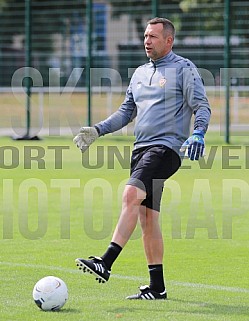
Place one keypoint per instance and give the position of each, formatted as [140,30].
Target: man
[162,95]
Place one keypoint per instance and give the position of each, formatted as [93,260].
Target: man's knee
[133,195]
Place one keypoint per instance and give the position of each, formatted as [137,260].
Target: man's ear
[170,40]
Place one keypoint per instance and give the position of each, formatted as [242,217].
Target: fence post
[154,5]
[28,51]
[89,59]
[227,66]
[28,62]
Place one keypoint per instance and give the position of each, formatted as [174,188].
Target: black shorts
[150,167]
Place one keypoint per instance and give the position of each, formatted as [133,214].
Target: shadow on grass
[68,311]
[210,308]
[183,307]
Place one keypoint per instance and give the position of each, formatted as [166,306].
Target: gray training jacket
[162,96]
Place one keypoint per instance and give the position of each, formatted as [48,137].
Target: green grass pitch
[56,206]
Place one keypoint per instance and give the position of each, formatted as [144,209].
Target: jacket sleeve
[195,95]
[119,119]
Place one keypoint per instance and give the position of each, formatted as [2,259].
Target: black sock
[111,254]
[156,278]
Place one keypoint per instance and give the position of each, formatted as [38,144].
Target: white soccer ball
[50,293]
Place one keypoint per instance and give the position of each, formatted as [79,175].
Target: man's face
[156,43]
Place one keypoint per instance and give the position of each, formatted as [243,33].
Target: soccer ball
[50,293]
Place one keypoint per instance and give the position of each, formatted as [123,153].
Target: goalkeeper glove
[195,145]
[85,138]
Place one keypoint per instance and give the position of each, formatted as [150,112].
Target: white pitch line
[210,287]
[132,278]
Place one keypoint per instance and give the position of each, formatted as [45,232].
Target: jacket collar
[164,59]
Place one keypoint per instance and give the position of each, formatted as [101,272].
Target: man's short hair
[168,26]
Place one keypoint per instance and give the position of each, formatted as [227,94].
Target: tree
[47,18]
[2,4]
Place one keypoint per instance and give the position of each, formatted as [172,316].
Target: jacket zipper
[154,65]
